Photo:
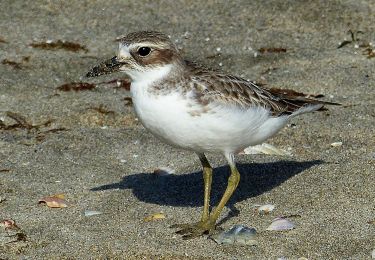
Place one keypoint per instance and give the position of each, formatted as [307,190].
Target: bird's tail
[296,103]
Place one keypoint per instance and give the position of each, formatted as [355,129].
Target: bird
[199,109]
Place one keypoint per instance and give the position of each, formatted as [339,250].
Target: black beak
[106,67]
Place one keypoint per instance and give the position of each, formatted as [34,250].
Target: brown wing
[212,86]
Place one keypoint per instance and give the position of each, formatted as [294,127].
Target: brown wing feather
[214,86]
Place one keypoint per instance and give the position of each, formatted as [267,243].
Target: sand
[96,152]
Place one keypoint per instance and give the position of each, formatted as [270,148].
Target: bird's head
[139,53]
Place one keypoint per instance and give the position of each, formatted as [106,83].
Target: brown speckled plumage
[213,86]
[145,36]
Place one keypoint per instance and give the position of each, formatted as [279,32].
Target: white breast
[221,129]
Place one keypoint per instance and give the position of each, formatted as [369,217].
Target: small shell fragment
[373,254]
[238,234]
[89,213]
[163,171]
[54,201]
[265,149]
[336,144]
[155,216]
[8,224]
[265,209]
[279,224]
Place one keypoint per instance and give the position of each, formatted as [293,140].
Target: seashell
[265,209]
[163,171]
[8,224]
[54,201]
[238,234]
[89,213]
[336,144]
[279,224]
[265,149]
[155,216]
[373,254]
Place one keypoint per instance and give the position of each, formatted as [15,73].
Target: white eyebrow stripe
[146,44]
[124,49]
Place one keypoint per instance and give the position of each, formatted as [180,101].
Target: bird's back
[214,86]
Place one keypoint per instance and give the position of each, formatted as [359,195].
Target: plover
[198,109]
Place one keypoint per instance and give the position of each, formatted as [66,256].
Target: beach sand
[89,146]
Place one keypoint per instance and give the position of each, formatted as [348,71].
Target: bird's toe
[189,231]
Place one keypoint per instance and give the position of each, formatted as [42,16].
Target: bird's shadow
[187,189]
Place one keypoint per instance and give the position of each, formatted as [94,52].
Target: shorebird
[195,108]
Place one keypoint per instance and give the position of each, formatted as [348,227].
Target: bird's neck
[154,79]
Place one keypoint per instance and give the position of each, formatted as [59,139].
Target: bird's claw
[193,230]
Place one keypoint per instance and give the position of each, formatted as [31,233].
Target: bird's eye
[144,51]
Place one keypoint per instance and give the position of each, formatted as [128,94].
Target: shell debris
[89,213]
[238,234]
[265,149]
[336,144]
[265,209]
[156,216]
[163,171]
[280,224]
[54,201]
[8,224]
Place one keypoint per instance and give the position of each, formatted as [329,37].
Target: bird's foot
[193,230]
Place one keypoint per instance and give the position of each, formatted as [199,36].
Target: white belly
[221,129]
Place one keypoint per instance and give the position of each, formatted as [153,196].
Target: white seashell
[336,144]
[373,254]
[89,213]
[265,209]
[265,149]
[238,234]
[279,224]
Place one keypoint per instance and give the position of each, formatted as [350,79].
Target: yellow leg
[233,181]
[207,223]
[207,177]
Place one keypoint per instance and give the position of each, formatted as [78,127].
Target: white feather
[307,109]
